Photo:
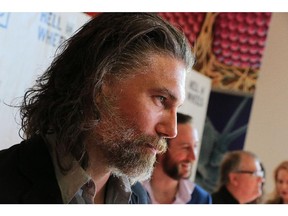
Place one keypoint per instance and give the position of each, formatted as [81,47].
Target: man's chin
[135,176]
[186,176]
[137,171]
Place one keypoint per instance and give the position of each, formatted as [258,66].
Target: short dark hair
[183,118]
[63,99]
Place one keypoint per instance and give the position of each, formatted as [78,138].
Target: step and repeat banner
[198,88]
[28,44]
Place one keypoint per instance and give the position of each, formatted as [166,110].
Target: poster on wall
[197,93]
[29,42]
[225,130]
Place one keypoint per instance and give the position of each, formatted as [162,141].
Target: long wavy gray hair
[63,99]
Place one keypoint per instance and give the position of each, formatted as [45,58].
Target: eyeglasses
[257,173]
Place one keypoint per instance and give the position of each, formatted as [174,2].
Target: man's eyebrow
[168,92]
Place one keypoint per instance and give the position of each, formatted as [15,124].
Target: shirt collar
[72,182]
[118,190]
[185,190]
[183,195]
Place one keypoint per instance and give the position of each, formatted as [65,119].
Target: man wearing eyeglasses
[241,179]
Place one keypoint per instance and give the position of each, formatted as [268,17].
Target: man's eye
[162,99]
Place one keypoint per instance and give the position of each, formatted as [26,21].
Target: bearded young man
[96,119]
[170,183]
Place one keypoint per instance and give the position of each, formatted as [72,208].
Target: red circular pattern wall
[228,46]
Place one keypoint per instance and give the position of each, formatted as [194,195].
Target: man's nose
[192,155]
[167,127]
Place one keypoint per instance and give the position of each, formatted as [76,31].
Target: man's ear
[233,178]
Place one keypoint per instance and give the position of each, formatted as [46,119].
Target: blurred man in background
[170,182]
[241,179]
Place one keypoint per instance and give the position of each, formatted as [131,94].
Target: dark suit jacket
[223,196]
[27,176]
[200,196]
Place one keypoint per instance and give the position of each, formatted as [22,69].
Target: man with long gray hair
[95,120]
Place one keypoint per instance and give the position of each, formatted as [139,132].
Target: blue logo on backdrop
[49,30]
[4,17]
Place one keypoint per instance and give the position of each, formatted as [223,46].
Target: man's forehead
[248,161]
[173,87]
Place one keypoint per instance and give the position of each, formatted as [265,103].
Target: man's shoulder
[27,174]
[223,196]
[200,196]
[22,153]
[199,189]
[9,156]
[139,194]
[218,194]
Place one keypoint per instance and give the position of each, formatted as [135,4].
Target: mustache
[161,145]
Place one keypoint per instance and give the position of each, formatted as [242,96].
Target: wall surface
[268,128]
[28,44]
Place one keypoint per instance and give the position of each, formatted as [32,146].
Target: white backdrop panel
[28,42]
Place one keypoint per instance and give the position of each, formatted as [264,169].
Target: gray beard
[124,147]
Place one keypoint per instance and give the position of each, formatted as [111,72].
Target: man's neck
[100,189]
[98,171]
[164,191]
[235,193]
